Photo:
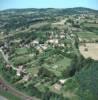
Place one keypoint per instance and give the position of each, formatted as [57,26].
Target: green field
[21,51]
[58,66]
[8,95]
[88,35]
[18,60]
[91,25]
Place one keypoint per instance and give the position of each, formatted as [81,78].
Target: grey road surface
[2,98]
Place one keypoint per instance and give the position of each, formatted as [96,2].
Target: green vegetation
[9,95]
[21,51]
[87,35]
[87,81]
[40,57]
[21,59]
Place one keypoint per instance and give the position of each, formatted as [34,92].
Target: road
[12,89]
[3,98]
[5,56]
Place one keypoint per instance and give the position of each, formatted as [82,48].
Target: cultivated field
[90,50]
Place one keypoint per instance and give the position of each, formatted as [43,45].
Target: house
[55,66]
[35,42]
[18,73]
[62,81]
[26,78]
[53,41]
[62,33]
[19,70]
[27,46]
[62,36]
[35,75]
[43,46]
[8,66]
[68,52]
[61,45]
[57,86]
[56,41]
[2,33]
[72,35]
[39,49]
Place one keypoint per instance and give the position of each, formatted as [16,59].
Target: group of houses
[56,40]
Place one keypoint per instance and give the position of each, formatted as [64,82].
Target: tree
[88,82]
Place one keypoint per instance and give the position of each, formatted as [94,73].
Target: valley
[48,54]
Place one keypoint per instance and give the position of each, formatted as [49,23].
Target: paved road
[15,92]
[3,98]
[12,89]
[5,56]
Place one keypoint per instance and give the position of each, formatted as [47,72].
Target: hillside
[49,54]
[77,10]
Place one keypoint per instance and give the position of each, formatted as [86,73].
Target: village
[42,54]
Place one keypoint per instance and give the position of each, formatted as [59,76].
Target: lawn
[63,63]
[21,51]
[41,87]
[18,60]
[58,66]
[33,71]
